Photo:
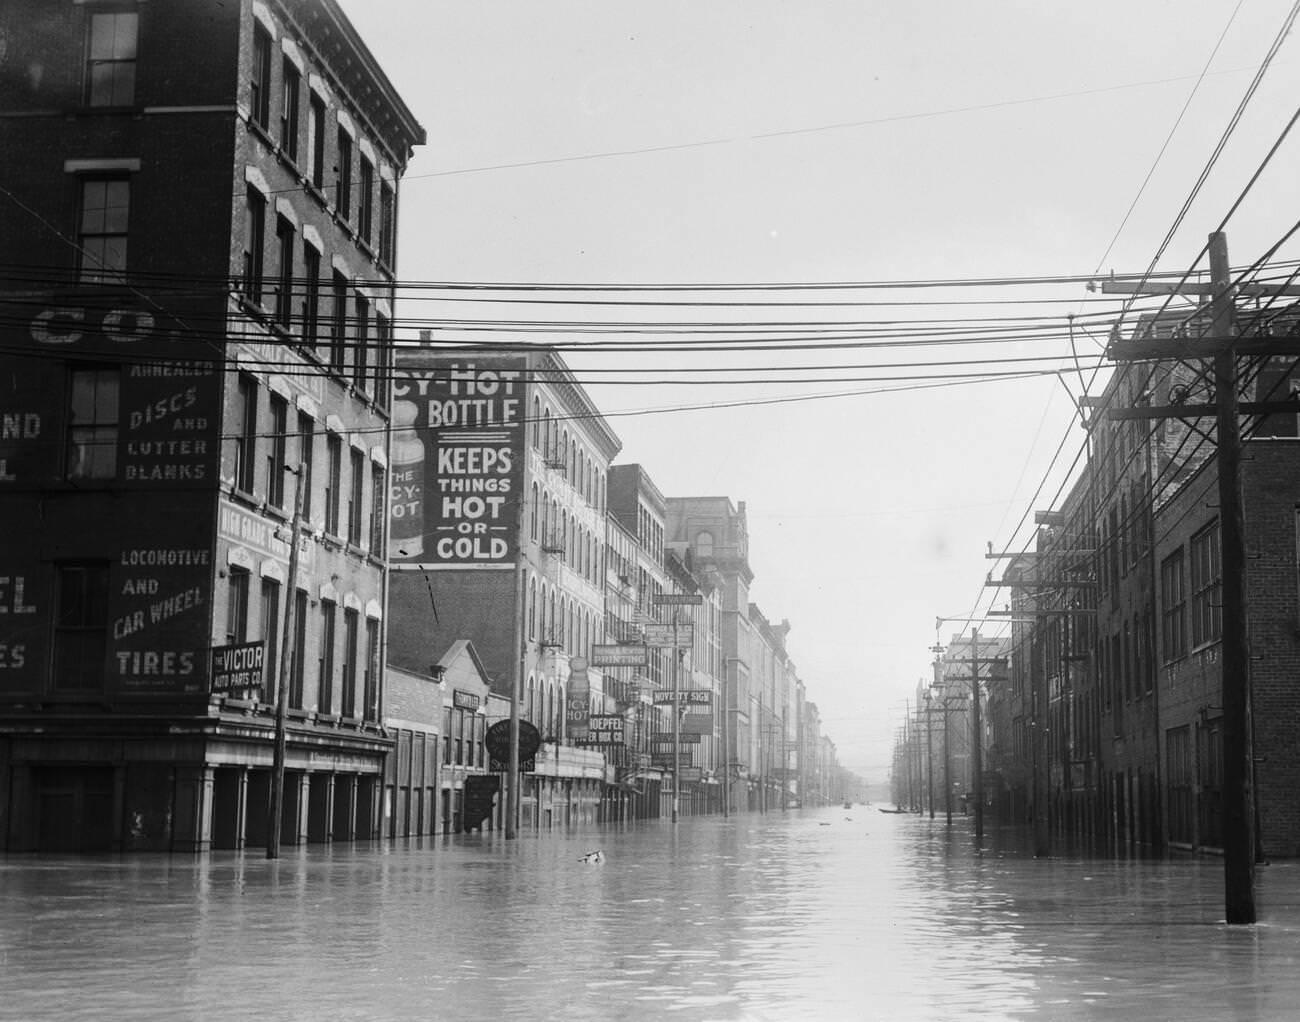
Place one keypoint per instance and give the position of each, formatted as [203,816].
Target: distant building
[197,253]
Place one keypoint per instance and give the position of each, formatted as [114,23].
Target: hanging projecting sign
[577,701]
[497,742]
[458,457]
[607,729]
[678,599]
[619,656]
[681,636]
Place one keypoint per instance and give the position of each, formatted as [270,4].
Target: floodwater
[825,914]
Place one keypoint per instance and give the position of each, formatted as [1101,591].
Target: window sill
[263,132]
[250,500]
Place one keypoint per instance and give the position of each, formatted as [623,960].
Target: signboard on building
[465,700]
[607,729]
[458,461]
[619,656]
[239,667]
[681,636]
[685,738]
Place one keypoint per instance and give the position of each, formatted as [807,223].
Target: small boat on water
[848,805]
[894,810]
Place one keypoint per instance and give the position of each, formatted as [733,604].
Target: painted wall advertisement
[95,596]
[457,471]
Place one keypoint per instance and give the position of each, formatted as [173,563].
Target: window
[310,294]
[254,244]
[276,450]
[356,504]
[370,709]
[334,450]
[80,626]
[246,438]
[349,700]
[361,342]
[387,224]
[237,607]
[290,89]
[306,450]
[284,236]
[110,58]
[365,200]
[343,178]
[328,617]
[259,92]
[446,736]
[92,423]
[378,488]
[383,358]
[297,672]
[271,631]
[316,141]
[102,229]
[339,326]
[1173,603]
[1207,585]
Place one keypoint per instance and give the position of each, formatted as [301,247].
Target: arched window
[704,544]
[530,703]
[532,526]
[537,423]
[532,608]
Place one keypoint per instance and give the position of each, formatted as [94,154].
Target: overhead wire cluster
[1275,276]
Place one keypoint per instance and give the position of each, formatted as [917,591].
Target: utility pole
[977,743]
[1223,346]
[677,719]
[1238,823]
[929,753]
[275,809]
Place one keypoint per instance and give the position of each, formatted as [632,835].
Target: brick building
[198,241]
[499,482]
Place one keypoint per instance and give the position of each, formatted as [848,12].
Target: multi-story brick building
[499,496]
[715,532]
[1131,749]
[198,241]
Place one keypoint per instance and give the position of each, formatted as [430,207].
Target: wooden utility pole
[276,806]
[1223,346]
[977,739]
[929,753]
[1238,822]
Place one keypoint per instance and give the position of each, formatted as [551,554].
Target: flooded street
[825,914]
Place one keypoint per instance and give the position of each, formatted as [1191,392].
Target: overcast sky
[780,143]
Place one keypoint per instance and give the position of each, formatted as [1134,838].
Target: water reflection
[810,915]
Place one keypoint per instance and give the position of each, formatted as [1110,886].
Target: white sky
[765,142]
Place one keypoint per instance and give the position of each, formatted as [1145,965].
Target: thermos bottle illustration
[406,505]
